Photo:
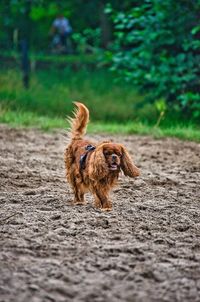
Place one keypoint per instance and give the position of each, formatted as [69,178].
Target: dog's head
[110,158]
[112,155]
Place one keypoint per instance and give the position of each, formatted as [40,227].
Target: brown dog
[94,167]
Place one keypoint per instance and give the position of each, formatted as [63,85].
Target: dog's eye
[106,153]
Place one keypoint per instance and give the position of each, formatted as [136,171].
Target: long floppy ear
[98,168]
[127,165]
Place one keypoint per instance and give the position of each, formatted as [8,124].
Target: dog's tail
[78,123]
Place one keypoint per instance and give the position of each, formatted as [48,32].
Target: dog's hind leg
[79,194]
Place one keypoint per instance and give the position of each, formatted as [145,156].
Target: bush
[157,48]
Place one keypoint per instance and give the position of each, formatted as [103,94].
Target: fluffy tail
[78,123]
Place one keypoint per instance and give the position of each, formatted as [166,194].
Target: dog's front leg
[79,197]
[102,200]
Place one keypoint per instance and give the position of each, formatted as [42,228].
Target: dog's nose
[114,156]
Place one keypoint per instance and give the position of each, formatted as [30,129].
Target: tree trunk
[104,25]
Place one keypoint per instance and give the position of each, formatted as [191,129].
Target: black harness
[88,149]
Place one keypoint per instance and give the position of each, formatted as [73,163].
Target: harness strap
[88,149]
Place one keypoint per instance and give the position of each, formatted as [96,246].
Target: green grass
[114,107]
[53,58]
[52,93]
[29,119]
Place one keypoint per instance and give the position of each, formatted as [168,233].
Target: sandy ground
[146,249]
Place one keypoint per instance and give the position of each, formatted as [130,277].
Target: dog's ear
[127,165]
[98,168]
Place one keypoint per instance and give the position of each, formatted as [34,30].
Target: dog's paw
[81,203]
[97,205]
[106,209]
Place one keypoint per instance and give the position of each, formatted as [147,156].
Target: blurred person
[61,31]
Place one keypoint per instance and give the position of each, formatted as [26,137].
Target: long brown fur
[101,167]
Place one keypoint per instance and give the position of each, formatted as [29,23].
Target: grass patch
[30,119]
[114,107]
[52,58]
[52,92]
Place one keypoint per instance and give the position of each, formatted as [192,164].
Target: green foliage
[88,40]
[35,17]
[157,48]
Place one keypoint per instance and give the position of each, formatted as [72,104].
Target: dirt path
[147,249]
